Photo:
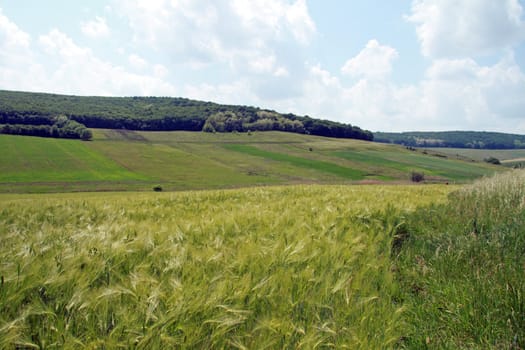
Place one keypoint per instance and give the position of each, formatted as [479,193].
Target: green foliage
[455,139]
[284,267]
[417,176]
[62,127]
[462,268]
[162,113]
[492,160]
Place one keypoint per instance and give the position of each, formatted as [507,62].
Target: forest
[160,114]
[454,139]
[58,127]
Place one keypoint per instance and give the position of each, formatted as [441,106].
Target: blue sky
[382,65]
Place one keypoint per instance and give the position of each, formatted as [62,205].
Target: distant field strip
[34,159]
[347,173]
[516,160]
[408,161]
[481,154]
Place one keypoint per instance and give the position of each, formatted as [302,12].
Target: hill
[181,160]
[454,139]
[161,114]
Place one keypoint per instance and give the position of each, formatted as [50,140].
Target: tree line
[162,114]
[454,139]
[58,127]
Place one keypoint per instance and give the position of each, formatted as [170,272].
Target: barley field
[298,267]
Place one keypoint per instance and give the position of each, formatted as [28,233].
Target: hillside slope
[162,114]
[138,160]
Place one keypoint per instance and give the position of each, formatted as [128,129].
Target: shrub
[492,160]
[417,176]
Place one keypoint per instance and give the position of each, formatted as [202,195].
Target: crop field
[46,159]
[284,267]
[277,267]
[507,157]
[121,160]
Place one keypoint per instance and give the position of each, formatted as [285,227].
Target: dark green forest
[454,139]
[58,127]
[157,114]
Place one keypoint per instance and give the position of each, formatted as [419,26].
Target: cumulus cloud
[453,94]
[236,92]
[16,56]
[137,62]
[450,28]
[96,28]
[12,36]
[232,32]
[375,60]
[81,71]
[75,69]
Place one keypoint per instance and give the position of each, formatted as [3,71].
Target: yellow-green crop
[283,267]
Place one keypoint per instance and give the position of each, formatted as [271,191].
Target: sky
[383,65]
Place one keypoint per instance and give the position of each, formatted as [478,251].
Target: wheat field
[275,267]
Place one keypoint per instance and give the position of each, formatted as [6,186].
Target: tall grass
[292,267]
[462,268]
[368,267]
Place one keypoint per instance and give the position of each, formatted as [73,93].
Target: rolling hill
[161,114]
[140,160]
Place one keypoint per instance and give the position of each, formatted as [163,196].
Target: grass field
[26,159]
[289,267]
[508,157]
[461,267]
[128,160]
[278,267]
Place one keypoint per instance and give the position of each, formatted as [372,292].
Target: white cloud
[160,71]
[18,65]
[96,28]
[375,60]
[81,71]
[237,92]
[11,35]
[234,32]
[58,43]
[281,72]
[137,62]
[75,69]
[450,28]
[455,94]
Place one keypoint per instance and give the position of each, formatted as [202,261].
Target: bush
[417,176]
[492,160]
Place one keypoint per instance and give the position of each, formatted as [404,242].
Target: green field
[131,160]
[281,267]
[508,157]
[276,267]
[26,159]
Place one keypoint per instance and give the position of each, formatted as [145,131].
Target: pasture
[121,160]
